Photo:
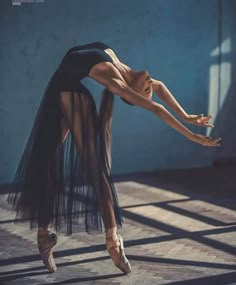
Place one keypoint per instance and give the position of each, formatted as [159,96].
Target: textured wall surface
[176,41]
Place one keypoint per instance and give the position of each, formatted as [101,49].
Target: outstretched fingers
[214,142]
[205,121]
[208,140]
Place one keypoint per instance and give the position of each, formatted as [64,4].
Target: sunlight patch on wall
[219,79]
[225,48]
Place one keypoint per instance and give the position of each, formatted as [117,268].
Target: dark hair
[127,102]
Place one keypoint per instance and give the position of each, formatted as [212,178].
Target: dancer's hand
[199,120]
[205,140]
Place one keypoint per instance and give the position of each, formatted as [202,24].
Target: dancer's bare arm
[120,88]
[164,94]
[112,79]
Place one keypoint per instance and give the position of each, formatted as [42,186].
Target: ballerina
[68,110]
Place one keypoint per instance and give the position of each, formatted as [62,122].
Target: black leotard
[79,59]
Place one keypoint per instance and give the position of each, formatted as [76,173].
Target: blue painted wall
[173,40]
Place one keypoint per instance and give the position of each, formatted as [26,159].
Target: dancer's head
[142,84]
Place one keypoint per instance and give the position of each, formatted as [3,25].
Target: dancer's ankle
[111,232]
[42,229]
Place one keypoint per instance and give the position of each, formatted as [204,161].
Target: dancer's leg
[45,239]
[105,115]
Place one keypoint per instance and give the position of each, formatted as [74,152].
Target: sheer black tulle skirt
[66,181]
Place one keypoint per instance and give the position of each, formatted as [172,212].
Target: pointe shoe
[123,264]
[46,241]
